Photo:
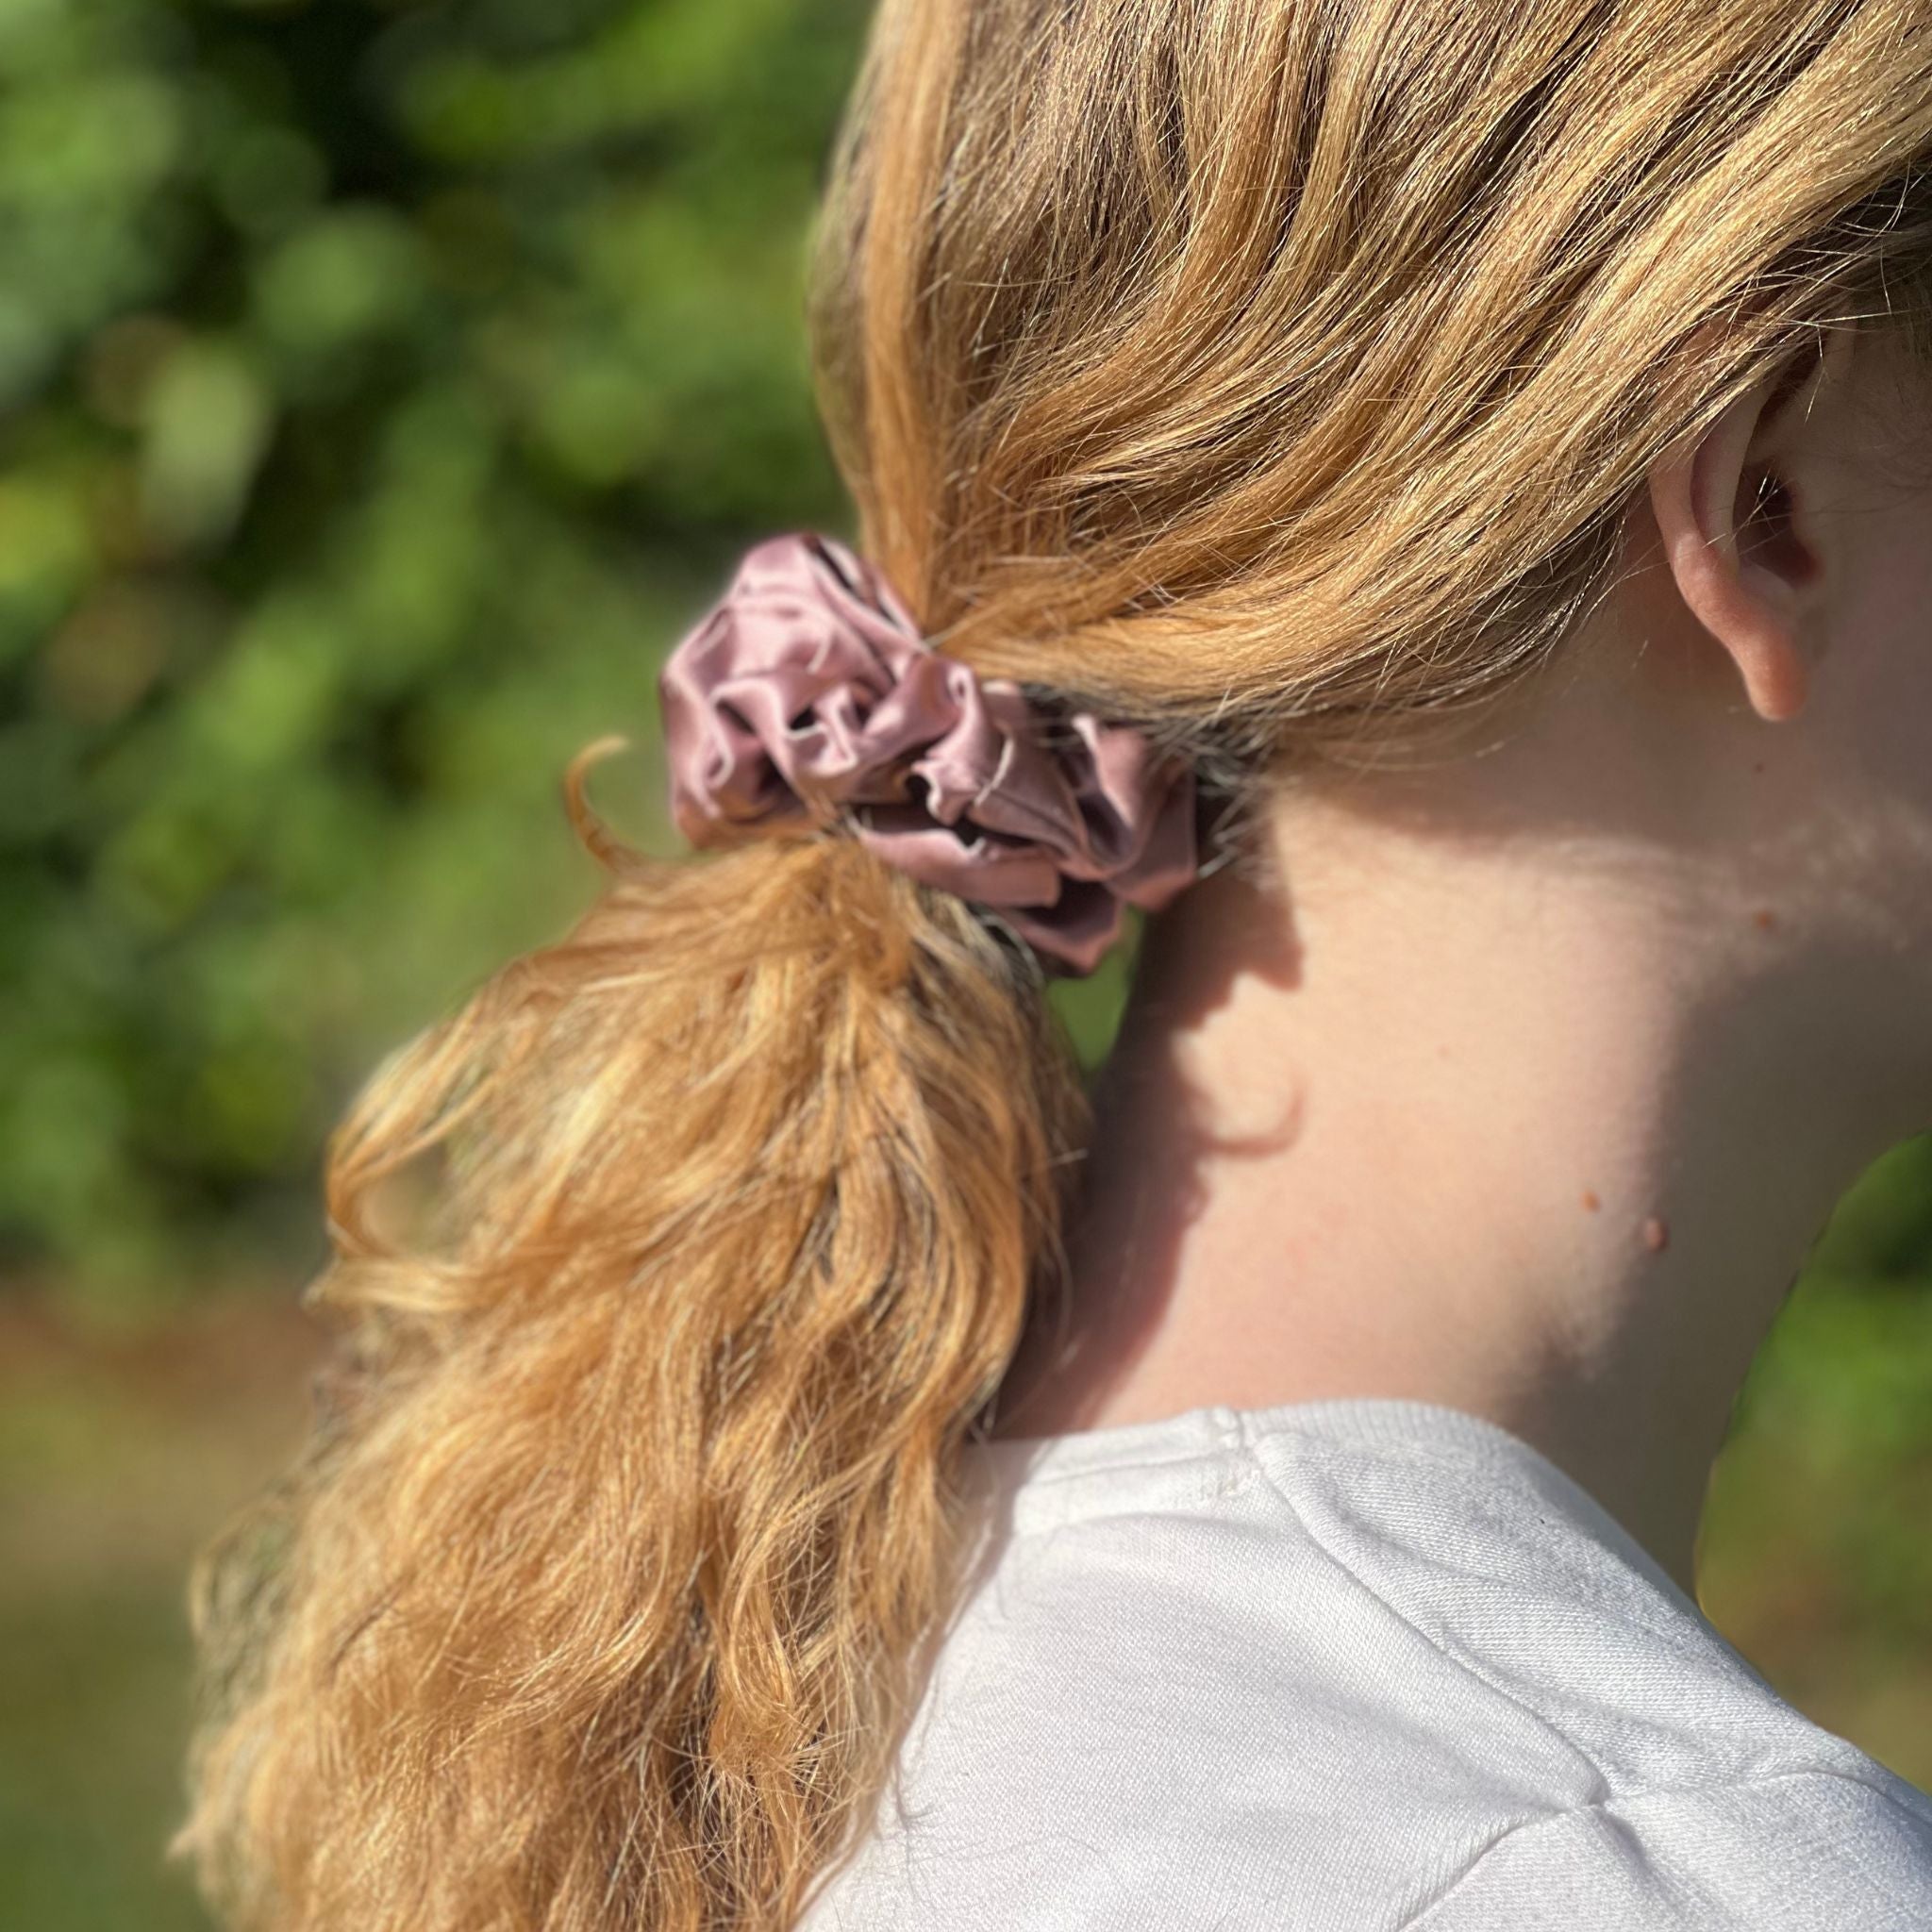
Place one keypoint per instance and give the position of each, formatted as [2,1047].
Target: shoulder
[1805,1850]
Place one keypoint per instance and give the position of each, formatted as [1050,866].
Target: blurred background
[383,384]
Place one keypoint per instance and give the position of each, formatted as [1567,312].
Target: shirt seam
[1416,1919]
[1040,1471]
[1054,1479]
[1462,1664]
[1577,1507]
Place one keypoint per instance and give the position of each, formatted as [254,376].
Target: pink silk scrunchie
[807,692]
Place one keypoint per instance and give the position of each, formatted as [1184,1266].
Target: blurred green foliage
[383,385]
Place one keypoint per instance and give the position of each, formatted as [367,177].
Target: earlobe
[1728,521]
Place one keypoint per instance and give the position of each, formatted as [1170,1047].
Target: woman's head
[1274,370]
[1262,374]
[1310,383]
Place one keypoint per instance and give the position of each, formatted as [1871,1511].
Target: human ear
[1733,509]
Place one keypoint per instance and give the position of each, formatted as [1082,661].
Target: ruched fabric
[806,695]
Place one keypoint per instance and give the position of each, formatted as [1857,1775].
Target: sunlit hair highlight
[1265,374]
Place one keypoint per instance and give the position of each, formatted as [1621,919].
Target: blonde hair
[1264,374]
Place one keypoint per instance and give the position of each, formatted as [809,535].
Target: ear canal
[1767,534]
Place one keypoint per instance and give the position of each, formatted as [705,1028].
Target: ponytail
[592,1603]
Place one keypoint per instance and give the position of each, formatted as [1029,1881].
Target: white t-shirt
[1352,1666]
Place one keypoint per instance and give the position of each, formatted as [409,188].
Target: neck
[1543,1135]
